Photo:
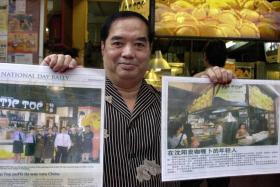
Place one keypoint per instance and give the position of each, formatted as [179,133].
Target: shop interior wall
[33,8]
[189,51]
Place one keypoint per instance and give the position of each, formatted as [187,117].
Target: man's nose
[128,51]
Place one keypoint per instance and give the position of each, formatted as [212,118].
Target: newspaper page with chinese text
[51,127]
[219,130]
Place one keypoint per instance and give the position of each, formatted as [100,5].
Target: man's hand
[219,75]
[59,62]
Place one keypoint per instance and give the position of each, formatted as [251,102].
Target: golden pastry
[250,15]
[276,5]
[167,16]
[230,30]
[218,4]
[213,12]
[249,30]
[235,4]
[267,31]
[196,2]
[264,7]
[272,17]
[200,13]
[160,6]
[165,28]
[229,17]
[181,5]
[211,21]
[210,31]
[184,17]
[187,30]
[249,4]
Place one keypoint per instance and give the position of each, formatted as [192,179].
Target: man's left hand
[219,75]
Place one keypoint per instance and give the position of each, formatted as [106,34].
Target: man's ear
[102,47]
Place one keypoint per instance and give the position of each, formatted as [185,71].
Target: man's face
[87,128]
[126,51]
[63,130]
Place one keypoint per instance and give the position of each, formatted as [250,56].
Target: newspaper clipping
[51,127]
[219,130]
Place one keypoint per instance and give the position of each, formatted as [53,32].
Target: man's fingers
[46,61]
[60,62]
[211,74]
[53,62]
[225,78]
[66,62]
[73,64]
[219,75]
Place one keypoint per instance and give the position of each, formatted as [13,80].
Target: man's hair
[173,127]
[105,29]
[82,113]
[216,53]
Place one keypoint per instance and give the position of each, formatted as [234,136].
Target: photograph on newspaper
[213,130]
[51,126]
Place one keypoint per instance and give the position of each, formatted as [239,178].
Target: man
[214,55]
[55,130]
[48,150]
[62,144]
[76,143]
[133,108]
[86,144]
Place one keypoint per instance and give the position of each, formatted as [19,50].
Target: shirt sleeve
[69,142]
[183,138]
[56,141]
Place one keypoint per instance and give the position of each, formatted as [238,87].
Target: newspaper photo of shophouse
[207,115]
[48,124]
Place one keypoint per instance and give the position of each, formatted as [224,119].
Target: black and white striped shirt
[132,137]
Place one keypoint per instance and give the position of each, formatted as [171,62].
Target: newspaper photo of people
[213,130]
[49,129]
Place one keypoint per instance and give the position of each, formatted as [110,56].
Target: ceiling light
[158,62]
[230,44]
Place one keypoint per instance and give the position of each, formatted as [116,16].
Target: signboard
[140,6]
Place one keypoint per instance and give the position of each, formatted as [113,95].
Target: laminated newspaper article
[51,127]
[213,130]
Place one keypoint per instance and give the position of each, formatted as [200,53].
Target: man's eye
[140,45]
[117,44]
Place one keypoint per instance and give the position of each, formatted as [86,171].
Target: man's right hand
[59,62]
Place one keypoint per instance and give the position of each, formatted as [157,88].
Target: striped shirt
[132,138]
